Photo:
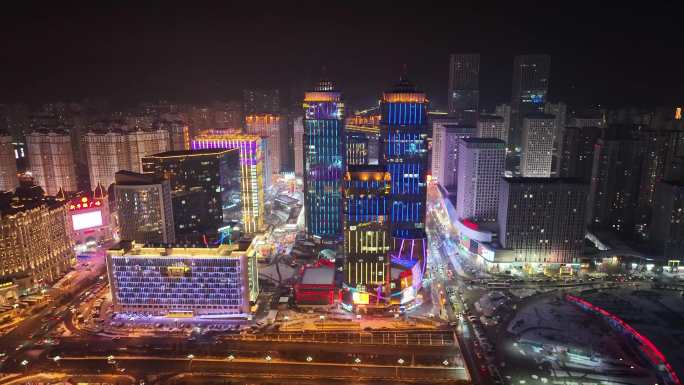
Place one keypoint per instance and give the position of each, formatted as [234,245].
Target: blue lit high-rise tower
[323,161]
[404,153]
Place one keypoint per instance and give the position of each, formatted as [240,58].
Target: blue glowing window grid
[324,167]
[406,156]
[405,113]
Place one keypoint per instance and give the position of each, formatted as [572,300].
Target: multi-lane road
[406,356]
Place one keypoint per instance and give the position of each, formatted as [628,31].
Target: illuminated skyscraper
[51,160]
[492,126]
[537,146]
[251,170]
[111,150]
[404,152]
[323,161]
[8,164]
[446,134]
[480,169]
[273,128]
[299,146]
[367,238]
[464,85]
[530,88]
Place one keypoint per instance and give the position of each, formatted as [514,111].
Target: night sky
[612,56]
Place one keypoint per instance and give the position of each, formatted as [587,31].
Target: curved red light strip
[652,350]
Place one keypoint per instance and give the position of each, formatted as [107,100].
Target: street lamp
[322,320]
[357,360]
[401,361]
[309,359]
[231,357]
[445,362]
[57,359]
[268,358]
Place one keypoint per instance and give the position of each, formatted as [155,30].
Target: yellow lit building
[35,243]
[252,156]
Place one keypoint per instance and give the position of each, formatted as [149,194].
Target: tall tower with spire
[324,162]
[404,154]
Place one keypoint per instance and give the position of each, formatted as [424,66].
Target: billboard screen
[87,220]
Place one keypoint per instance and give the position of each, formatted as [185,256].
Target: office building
[577,154]
[51,160]
[403,154]
[14,119]
[667,223]
[205,189]
[661,149]
[252,157]
[587,121]
[480,169]
[365,131]
[324,162]
[8,164]
[356,144]
[446,134]
[228,114]
[299,146]
[464,86]
[35,239]
[273,128]
[142,143]
[492,126]
[615,182]
[179,133]
[537,146]
[261,101]
[178,282]
[530,89]
[367,240]
[404,134]
[108,151]
[541,220]
[144,208]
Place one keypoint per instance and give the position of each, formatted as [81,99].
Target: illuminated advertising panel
[87,220]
